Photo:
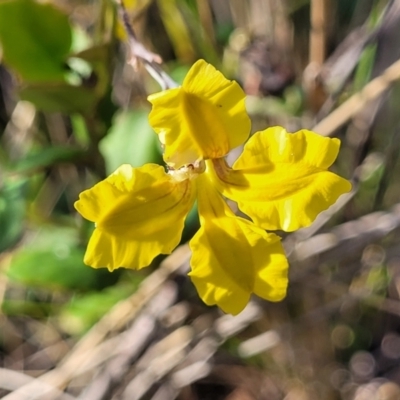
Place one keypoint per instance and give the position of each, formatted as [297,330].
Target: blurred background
[72,110]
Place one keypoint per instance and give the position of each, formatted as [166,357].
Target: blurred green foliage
[130,140]
[53,259]
[36,40]
[12,211]
[86,309]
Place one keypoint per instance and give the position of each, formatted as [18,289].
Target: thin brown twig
[318,31]
[138,51]
[358,101]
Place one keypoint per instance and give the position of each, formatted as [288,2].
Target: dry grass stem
[358,101]
[122,313]
[318,31]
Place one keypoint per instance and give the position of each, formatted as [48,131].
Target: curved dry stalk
[138,51]
[358,101]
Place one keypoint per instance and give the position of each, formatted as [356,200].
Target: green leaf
[91,81]
[35,38]
[46,157]
[23,307]
[54,261]
[378,280]
[60,97]
[85,310]
[90,75]
[12,212]
[98,57]
[130,140]
[59,268]
[80,130]
[364,69]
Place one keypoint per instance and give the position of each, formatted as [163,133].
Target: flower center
[188,171]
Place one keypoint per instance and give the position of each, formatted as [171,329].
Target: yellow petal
[280,180]
[205,118]
[232,258]
[139,213]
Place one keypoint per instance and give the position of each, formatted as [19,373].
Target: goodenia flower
[139,213]
[204,118]
[280,181]
[232,257]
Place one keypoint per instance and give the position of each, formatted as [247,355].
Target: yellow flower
[139,213]
[280,181]
[204,118]
[232,257]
